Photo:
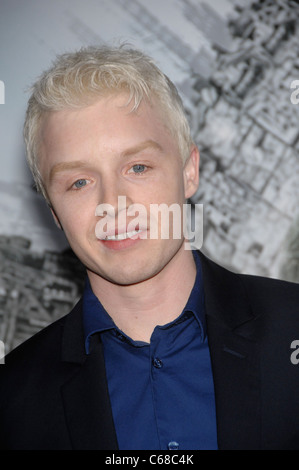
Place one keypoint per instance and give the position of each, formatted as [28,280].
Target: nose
[113,197]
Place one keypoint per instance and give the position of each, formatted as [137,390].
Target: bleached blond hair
[80,78]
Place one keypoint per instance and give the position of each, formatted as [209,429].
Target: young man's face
[91,156]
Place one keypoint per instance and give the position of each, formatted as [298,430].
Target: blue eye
[80,183]
[138,168]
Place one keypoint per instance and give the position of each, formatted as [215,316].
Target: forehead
[109,126]
[109,111]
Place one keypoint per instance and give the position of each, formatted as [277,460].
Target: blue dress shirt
[162,392]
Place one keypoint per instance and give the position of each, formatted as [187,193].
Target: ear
[191,172]
[56,220]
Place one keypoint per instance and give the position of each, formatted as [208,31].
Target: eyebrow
[148,144]
[77,164]
[66,166]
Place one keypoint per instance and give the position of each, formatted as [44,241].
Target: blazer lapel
[235,358]
[85,395]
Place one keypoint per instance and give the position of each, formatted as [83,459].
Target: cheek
[173,191]
[168,188]
[76,220]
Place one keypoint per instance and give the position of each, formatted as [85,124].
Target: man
[166,350]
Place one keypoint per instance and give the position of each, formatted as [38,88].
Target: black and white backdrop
[233,61]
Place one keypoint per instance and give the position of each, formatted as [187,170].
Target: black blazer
[54,396]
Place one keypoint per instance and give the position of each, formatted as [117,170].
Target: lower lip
[117,245]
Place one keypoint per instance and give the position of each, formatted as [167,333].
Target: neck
[137,309]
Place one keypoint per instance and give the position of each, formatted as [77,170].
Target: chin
[130,274]
[136,268]
[127,278]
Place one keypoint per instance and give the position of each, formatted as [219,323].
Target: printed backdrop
[233,62]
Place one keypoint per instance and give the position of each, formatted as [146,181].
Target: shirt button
[173,445]
[157,363]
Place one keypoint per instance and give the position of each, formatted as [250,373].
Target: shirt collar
[95,317]
[195,303]
[97,320]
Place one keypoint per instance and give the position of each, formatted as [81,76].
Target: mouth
[124,240]
[122,236]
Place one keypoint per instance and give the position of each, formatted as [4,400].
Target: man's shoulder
[272,286]
[30,383]
[260,294]
[275,299]
[254,283]
[34,346]
[42,349]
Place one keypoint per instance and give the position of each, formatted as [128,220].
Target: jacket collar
[235,356]
[225,295]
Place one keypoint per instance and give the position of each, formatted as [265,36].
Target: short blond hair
[80,78]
